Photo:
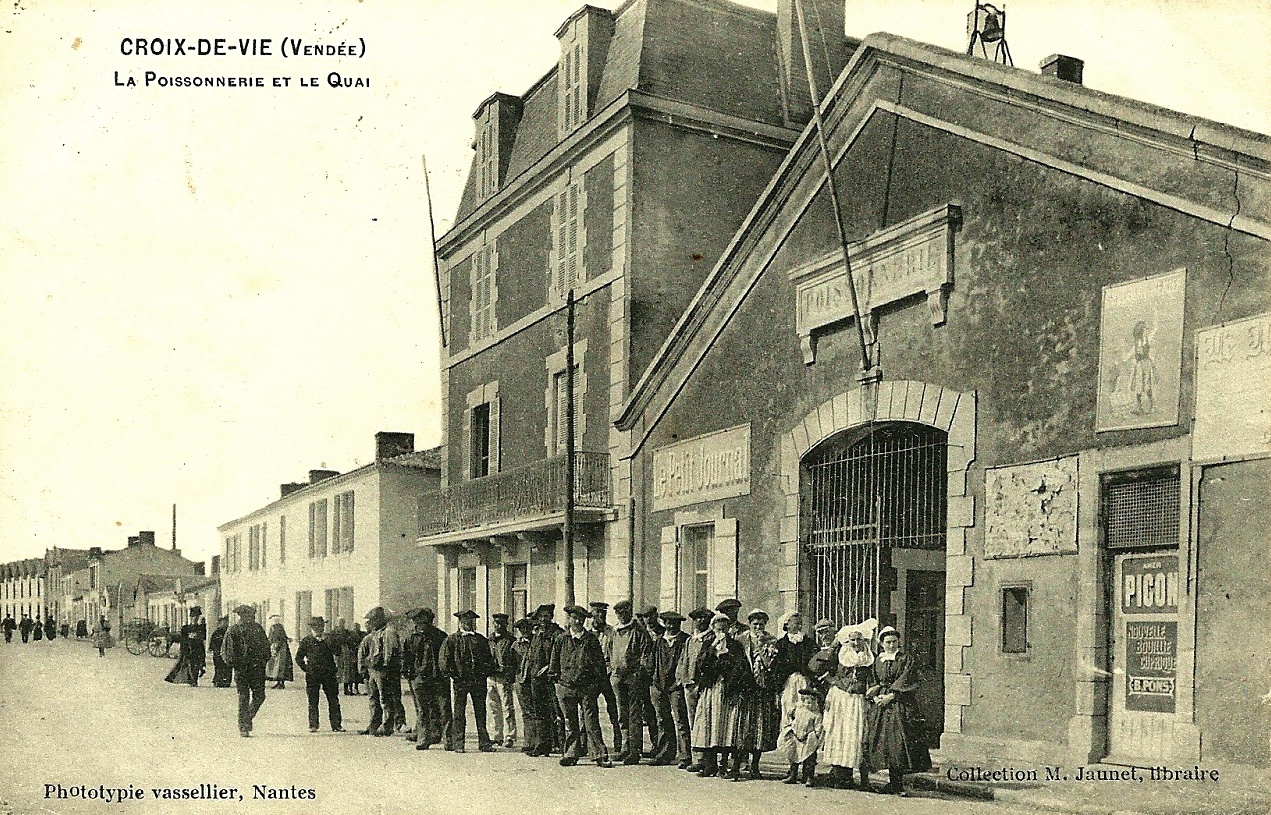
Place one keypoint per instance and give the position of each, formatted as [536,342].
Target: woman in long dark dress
[350,644]
[192,661]
[81,629]
[794,651]
[893,723]
[760,716]
[222,673]
[279,668]
[721,671]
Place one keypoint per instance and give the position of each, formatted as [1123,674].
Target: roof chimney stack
[287,489]
[390,445]
[146,538]
[824,20]
[1063,67]
[316,476]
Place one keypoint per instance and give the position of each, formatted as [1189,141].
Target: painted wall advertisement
[1140,352]
[1233,390]
[1149,585]
[705,468]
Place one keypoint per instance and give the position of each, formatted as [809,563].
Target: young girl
[801,737]
[102,638]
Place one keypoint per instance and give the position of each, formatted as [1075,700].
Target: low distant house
[337,545]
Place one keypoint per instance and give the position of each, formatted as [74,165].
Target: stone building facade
[1052,474]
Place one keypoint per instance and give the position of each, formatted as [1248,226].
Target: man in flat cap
[599,624]
[500,702]
[468,662]
[429,685]
[648,620]
[382,669]
[630,660]
[667,695]
[551,732]
[731,608]
[686,670]
[577,665]
[524,692]
[246,650]
[316,657]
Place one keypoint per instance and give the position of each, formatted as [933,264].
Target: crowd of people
[713,699]
[30,629]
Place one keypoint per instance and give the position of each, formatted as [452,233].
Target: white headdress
[850,658]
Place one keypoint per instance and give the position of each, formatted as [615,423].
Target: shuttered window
[484,292]
[342,523]
[560,389]
[567,248]
[318,528]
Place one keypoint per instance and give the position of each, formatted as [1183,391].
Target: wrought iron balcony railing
[532,492]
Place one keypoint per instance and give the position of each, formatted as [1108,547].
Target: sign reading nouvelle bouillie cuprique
[704,468]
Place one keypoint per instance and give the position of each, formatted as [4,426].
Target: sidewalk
[1238,791]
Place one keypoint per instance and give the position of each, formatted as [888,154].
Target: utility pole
[174,527]
[567,530]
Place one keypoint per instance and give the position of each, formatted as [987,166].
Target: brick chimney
[216,564]
[134,540]
[316,476]
[389,444]
[287,489]
[824,20]
[95,552]
[146,538]
[1068,69]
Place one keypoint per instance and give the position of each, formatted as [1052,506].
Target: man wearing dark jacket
[551,726]
[467,661]
[630,660]
[428,682]
[316,657]
[499,701]
[246,650]
[222,676]
[25,627]
[577,666]
[530,723]
[667,695]
[8,625]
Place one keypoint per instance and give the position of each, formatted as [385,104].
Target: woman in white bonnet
[848,677]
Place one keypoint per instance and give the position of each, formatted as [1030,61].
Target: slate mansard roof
[709,53]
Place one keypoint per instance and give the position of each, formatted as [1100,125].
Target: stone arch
[952,411]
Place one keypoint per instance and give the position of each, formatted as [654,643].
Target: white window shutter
[560,386]
[494,433]
[670,572]
[467,444]
[562,241]
[723,562]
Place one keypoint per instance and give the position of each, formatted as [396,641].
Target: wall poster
[1140,352]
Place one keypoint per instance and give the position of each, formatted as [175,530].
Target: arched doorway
[875,509]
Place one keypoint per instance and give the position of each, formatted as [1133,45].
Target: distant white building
[338,545]
[22,589]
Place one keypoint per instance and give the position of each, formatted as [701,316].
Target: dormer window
[495,123]
[584,41]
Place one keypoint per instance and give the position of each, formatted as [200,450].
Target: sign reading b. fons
[704,468]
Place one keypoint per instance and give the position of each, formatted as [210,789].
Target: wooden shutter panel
[571,269]
[467,443]
[670,571]
[349,522]
[313,531]
[335,525]
[562,240]
[264,529]
[723,564]
[494,433]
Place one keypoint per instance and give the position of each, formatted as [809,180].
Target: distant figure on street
[50,628]
[192,661]
[380,660]
[429,686]
[316,657]
[222,675]
[468,661]
[37,630]
[101,638]
[279,669]
[246,650]
[352,669]
[81,629]
[25,627]
[8,625]
[336,634]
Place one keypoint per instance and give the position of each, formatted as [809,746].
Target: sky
[208,292]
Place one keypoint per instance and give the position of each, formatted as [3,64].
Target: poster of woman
[1140,352]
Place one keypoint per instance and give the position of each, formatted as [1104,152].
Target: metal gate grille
[866,497]
[1141,509]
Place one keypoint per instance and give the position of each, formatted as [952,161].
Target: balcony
[525,499]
